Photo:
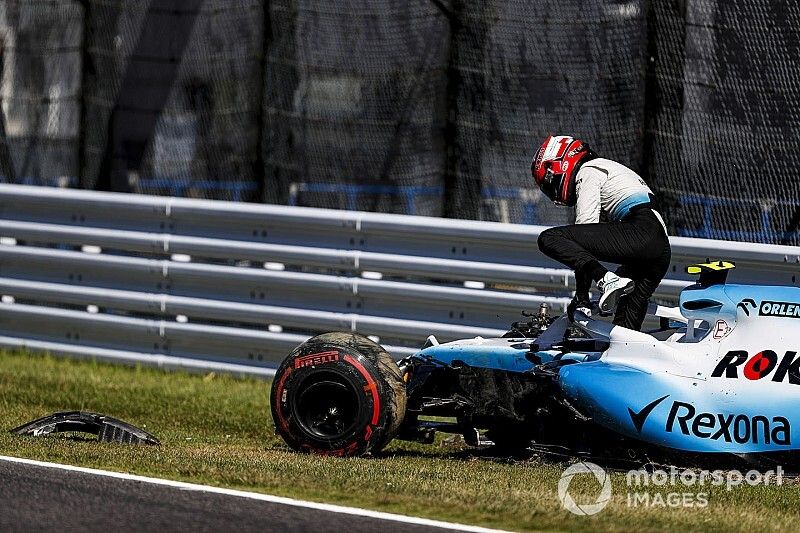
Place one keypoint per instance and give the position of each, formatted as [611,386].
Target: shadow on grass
[61,437]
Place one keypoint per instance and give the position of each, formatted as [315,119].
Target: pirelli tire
[338,394]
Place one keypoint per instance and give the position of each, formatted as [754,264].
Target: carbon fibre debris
[107,428]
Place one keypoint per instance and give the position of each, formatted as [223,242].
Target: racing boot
[612,288]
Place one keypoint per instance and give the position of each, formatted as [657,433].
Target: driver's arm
[587,190]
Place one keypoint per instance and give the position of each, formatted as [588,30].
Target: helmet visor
[551,186]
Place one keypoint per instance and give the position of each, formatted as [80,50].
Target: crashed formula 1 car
[721,376]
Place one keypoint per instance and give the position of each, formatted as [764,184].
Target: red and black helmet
[555,165]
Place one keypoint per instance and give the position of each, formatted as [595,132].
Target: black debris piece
[107,429]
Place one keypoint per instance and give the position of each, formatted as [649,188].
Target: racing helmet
[555,165]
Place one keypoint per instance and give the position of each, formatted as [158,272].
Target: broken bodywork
[106,428]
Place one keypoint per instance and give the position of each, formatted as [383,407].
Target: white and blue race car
[720,378]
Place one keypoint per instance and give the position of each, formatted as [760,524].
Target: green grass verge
[217,430]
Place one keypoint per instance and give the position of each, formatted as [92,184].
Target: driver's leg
[639,242]
[579,246]
[632,308]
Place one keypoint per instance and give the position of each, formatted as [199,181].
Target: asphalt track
[34,497]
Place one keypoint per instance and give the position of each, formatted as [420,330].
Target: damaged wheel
[338,394]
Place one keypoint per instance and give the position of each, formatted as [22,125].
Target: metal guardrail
[172,279]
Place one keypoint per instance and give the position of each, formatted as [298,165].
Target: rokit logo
[761,365]
[742,429]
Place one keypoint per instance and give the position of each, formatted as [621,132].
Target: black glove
[579,300]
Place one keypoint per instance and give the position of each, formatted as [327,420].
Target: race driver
[633,234]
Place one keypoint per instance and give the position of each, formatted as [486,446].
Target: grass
[217,430]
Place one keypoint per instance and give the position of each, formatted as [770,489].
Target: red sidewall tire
[329,397]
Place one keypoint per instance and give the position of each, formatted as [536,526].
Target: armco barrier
[203,284]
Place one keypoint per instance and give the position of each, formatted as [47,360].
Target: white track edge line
[340,509]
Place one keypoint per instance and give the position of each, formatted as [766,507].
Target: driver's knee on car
[561,244]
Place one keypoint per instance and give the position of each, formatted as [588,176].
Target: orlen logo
[782,309]
[759,366]
[741,429]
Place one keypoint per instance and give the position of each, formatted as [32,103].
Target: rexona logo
[759,366]
[638,417]
[741,429]
[783,309]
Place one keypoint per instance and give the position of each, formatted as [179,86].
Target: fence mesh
[724,118]
[430,107]
[40,54]
[178,114]
[355,110]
